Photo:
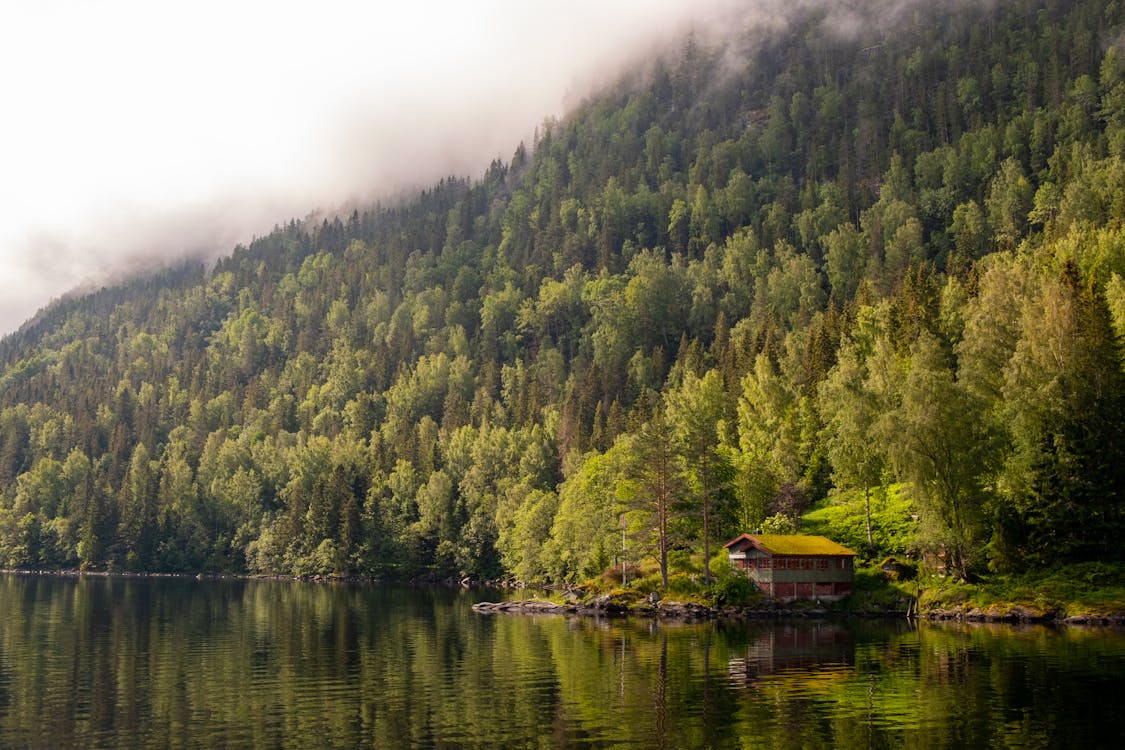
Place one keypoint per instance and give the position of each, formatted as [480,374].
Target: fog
[136,133]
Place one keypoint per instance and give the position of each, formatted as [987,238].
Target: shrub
[720,564]
[897,570]
[682,585]
[733,590]
[648,583]
[779,523]
[680,561]
[612,575]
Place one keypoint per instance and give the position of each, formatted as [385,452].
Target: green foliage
[694,306]
[872,592]
[1092,589]
[841,517]
[937,438]
[734,590]
[779,523]
[898,570]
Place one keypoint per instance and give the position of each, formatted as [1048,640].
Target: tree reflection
[185,663]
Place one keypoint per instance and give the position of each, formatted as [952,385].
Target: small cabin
[794,566]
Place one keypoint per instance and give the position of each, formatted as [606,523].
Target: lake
[170,662]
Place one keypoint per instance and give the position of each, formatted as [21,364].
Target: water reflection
[98,662]
[809,648]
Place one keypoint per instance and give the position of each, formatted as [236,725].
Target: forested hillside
[747,277]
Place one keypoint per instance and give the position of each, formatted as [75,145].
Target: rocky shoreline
[606,606]
[1020,614]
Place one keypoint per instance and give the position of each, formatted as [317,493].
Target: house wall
[797,576]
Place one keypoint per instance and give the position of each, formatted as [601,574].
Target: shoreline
[771,609]
[594,605]
[448,581]
[776,610]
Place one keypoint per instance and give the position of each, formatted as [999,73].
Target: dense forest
[755,275]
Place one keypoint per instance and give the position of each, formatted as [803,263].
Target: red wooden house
[794,566]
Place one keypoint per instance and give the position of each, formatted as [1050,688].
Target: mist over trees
[727,287]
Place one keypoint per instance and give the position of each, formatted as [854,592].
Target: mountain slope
[756,271]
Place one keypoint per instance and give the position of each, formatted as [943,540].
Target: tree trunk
[867,518]
[706,527]
[662,520]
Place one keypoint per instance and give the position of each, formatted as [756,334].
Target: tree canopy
[748,276]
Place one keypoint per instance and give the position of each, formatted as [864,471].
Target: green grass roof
[801,544]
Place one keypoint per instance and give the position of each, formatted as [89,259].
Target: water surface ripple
[154,663]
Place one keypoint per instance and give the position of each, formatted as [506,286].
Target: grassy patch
[841,517]
[1084,589]
[874,592]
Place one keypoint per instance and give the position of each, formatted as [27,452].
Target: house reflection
[812,647]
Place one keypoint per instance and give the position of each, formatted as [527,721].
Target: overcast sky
[135,130]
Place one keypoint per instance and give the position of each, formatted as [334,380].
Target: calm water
[99,662]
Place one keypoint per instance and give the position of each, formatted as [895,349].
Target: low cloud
[138,134]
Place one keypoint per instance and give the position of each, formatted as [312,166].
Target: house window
[806,563]
[821,563]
